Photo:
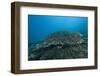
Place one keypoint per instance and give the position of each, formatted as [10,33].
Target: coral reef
[60,45]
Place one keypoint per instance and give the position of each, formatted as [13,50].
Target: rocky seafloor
[60,45]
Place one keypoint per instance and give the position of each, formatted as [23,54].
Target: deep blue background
[39,26]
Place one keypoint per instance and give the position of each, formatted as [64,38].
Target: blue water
[40,26]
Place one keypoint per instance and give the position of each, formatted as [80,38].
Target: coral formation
[60,45]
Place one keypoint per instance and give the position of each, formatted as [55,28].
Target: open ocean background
[40,26]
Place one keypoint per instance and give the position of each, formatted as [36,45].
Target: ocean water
[40,26]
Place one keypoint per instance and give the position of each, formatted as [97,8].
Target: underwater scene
[52,37]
